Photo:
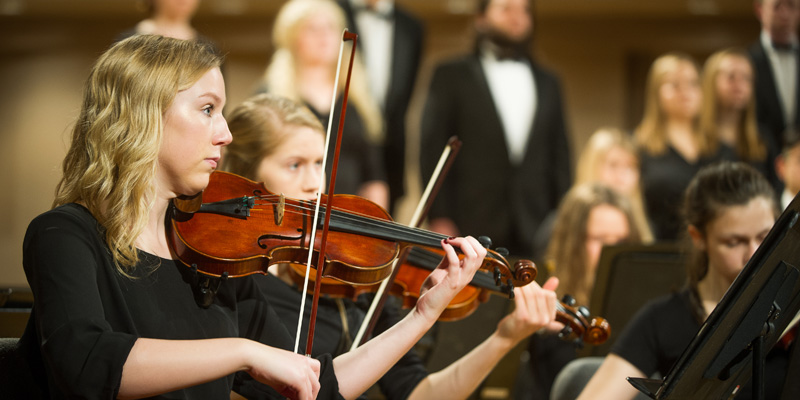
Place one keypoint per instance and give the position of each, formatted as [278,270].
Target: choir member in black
[508,112]
[307,35]
[774,57]
[672,146]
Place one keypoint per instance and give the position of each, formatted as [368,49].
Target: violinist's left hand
[452,275]
[535,307]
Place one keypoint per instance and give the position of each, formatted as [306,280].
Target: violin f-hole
[279,237]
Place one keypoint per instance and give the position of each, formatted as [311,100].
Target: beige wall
[45,59]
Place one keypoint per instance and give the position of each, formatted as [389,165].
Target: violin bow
[346,36]
[426,200]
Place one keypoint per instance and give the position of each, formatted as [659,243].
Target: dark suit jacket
[768,104]
[484,194]
[406,54]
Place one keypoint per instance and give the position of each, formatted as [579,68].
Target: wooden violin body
[241,228]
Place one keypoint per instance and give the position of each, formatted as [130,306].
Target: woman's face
[620,171]
[194,133]
[734,83]
[733,236]
[295,167]
[679,94]
[606,225]
[317,40]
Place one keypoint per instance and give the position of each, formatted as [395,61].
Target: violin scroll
[579,326]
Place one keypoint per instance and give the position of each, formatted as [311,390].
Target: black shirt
[329,337]
[664,179]
[87,316]
[660,331]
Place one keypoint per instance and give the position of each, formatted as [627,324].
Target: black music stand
[628,275]
[747,322]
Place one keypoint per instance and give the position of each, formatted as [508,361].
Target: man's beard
[503,45]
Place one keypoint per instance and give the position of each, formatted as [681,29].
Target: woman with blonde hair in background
[672,146]
[729,111]
[307,36]
[591,215]
[610,157]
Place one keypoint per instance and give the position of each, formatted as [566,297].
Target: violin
[491,276]
[579,325]
[237,227]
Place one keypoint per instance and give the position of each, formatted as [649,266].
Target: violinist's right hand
[292,375]
[452,275]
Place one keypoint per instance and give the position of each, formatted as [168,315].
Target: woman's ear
[698,239]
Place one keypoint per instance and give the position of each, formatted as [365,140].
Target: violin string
[427,237]
[391,228]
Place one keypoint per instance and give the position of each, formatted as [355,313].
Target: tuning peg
[568,300]
[510,291]
[582,310]
[578,343]
[502,251]
[497,276]
[485,241]
[565,332]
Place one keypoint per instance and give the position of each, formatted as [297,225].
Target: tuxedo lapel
[769,89]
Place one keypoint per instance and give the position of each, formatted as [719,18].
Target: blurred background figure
[590,216]
[172,18]
[307,36]
[609,157]
[507,111]
[390,41]
[774,56]
[729,111]
[787,167]
[672,146]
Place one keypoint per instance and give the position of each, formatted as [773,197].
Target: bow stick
[424,205]
[346,36]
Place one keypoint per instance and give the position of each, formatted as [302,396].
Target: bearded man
[507,110]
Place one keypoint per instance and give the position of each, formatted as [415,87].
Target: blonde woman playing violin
[114,314]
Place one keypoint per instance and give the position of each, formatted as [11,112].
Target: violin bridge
[278,210]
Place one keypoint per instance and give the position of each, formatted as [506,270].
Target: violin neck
[352,223]
[428,260]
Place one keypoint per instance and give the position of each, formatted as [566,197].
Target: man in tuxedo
[775,57]
[514,163]
[390,40]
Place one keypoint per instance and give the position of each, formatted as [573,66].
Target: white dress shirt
[376,35]
[514,93]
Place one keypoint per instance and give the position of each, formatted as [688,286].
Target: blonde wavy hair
[281,75]
[749,146]
[590,163]
[566,252]
[258,126]
[650,134]
[111,164]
